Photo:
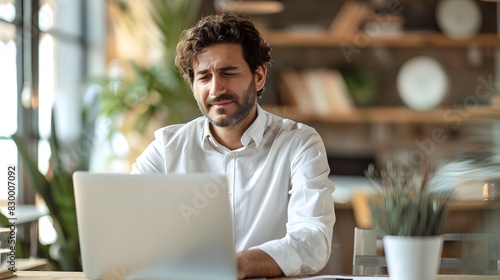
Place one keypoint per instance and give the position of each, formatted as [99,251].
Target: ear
[260,77]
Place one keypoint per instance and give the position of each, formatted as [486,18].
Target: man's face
[224,86]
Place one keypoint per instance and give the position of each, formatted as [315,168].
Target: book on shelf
[315,91]
[351,16]
[294,92]
[315,85]
[336,91]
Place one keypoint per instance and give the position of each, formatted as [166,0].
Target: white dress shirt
[280,194]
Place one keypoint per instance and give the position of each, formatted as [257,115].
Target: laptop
[154,226]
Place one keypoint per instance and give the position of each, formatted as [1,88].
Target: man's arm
[151,159]
[255,263]
[307,245]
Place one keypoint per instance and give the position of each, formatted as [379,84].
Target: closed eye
[228,71]
[203,78]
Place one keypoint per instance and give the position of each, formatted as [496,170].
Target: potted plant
[149,92]
[56,188]
[408,213]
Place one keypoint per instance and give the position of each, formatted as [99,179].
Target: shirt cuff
[284,255]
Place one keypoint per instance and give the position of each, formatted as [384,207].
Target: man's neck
[230,137]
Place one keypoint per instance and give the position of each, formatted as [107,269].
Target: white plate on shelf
[458,18]
[422,83]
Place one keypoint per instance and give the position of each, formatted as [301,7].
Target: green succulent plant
[405,204]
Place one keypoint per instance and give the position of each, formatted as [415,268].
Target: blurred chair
[366,259]
[479,254]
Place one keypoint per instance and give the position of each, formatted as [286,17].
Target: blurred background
[85,83]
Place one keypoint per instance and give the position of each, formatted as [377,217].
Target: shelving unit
[407,40]
[396,115]
[401,114]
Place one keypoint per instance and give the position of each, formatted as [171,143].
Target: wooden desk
[57,275]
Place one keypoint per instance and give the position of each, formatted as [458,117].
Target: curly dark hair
[222,28]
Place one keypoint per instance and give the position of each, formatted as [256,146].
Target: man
[280,194]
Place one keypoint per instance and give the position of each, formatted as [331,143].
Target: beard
[223,118]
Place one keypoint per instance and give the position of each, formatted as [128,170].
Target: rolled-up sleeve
[306,247]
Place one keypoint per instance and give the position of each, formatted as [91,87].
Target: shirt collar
[255,132]
[208,140]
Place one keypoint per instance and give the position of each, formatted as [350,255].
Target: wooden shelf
[408,39]
[474,205]
[401,115]
[463,205]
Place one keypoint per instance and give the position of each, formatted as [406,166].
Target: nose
[218,86]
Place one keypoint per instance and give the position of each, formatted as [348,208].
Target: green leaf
[4,221]
[38,180]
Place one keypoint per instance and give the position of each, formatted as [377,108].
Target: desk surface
[58,275]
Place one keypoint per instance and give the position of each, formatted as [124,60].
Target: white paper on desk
[321,277]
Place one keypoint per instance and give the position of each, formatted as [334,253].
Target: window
[8,94]
[43,47]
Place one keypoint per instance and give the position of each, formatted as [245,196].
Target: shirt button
[229,194]
[232,155]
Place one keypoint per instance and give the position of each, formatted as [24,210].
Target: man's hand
[256,263]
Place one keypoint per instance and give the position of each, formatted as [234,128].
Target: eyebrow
[222,69]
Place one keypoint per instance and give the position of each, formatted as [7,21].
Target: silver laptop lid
[154,226]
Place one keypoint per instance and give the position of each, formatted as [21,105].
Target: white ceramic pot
[412,258]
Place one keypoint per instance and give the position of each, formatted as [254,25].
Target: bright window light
[46,17]
[8,11]
[45,85]
[44,153]
[49,235]
[8,94]
[8,108]
[46,89]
